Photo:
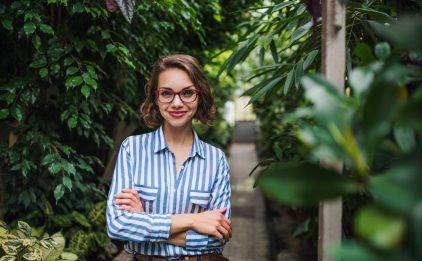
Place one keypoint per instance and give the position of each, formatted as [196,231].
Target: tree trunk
[333,67]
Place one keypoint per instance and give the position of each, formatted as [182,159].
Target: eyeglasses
[186,95]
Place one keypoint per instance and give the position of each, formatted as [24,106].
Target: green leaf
[71,70]
[399,187]
[25,228]
[39,62]
[265,89]
[274,52]
[86,90]
[17,113]
[58,192]
[72,121]
[4,113]
[32,256]
[78,8]
[325,97]
[298,73]
[55,167]
[36,42]
[405,138]
[288,82]
[73,81]
[62,220]
[301,31]
[310,59]
[49,158]
[46,29]
[8,258]
[29,28]
[43,72]
[363,51]
[382,51]
[91,82]
[69,167]
[261,56]
[303,183]
[382,230]
[68,61]
[111,48]
[81,219]
[67,182]
[69,256]
[301,228]
[360,80]
[7,24]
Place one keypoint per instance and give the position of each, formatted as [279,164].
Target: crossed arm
[126,219]
[212,223]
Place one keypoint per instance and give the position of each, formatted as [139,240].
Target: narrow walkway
[249,241]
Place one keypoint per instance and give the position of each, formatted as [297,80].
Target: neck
[178,136]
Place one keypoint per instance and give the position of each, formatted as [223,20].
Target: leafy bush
[70,84]
[22,243]
[376,133]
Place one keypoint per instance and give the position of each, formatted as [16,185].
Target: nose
[177,102]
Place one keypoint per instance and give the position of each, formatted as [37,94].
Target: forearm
[181,223]
[178,239]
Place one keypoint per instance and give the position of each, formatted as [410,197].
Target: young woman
[170,194]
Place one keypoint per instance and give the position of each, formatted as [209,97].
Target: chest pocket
[199,200]
[148,196]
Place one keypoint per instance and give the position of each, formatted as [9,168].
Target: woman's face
[176,113]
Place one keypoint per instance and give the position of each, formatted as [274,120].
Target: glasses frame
[176,93]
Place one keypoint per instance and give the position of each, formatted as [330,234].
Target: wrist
[190,221]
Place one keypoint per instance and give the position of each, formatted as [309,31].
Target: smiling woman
[170,195]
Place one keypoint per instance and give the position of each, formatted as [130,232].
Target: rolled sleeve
[128,225]
[220,194]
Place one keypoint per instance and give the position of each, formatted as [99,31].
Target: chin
[178,123]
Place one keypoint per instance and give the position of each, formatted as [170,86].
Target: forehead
[175,79]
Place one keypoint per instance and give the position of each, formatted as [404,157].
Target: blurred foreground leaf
[303,183]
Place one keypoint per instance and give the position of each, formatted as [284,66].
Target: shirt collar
[161,144]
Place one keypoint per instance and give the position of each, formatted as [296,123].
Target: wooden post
[333,68]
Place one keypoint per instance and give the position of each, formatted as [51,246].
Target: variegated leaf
[126,6]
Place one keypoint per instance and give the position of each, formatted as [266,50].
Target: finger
[125,202]
[228,228]
[123,195]
[218,235]
[222,210]
[125,207]
[131,191]
[224,232]
[126,195]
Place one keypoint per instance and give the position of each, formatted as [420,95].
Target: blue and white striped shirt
[146,164]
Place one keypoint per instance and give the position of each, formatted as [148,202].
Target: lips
[177,114]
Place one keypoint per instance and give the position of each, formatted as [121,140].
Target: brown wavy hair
[206,109]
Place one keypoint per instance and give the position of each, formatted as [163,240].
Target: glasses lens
[188,95]
[165,95]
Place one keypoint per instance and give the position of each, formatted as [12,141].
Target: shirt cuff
[195,240]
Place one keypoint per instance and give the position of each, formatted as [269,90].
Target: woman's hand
[129,200]
[212,223]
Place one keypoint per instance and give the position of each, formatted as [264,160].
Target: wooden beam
[333,68]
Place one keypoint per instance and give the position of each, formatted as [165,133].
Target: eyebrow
[171,88]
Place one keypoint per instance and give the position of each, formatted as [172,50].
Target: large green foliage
[374,130]
[70,72]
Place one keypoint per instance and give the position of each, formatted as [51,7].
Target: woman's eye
[188,93]
[166,93]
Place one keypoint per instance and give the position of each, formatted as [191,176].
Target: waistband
[204,257]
